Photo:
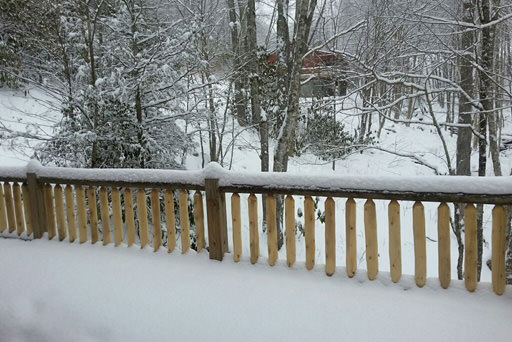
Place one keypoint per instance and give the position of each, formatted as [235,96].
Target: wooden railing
[64,203]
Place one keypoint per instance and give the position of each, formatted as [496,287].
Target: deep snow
[57,291]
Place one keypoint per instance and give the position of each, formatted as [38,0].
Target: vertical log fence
[117,206]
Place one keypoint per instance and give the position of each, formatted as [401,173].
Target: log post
[37,210]
[216,218]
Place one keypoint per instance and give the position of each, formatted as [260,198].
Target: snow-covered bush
[320,133]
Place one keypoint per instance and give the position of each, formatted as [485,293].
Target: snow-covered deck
[54,291]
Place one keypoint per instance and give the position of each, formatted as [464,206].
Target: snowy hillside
[29,112]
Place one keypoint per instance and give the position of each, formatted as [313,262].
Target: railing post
[37,210]
[216,218]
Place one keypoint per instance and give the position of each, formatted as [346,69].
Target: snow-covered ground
[57,291]
[29,112]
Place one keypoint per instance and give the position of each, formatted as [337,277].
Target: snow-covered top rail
[492,190]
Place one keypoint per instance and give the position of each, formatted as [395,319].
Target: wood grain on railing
[420,244]
[370,231]
[271,229]
[3,214]
[70,213]
[395,243]
[237,226]
[129,216]
[81,212]
[142,216]
[9,207]
[470,247]
[26,208]
[289,209]
[18,209]
[499,226]
[254,243]
[309,231]
[443,245]
[199,220]
[117,216]
[184,221]
[330,237]
[170,220]
[351,244]
[155,218]
[93,214]
[105,216]
[49,209]
[60,212]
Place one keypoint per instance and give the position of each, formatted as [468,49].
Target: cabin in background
[322,74]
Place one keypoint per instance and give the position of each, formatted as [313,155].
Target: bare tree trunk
[463,153]
[486,82]
[482,164]
[304,10]
[257,118]
[255,84]
[487,116]
[238,58]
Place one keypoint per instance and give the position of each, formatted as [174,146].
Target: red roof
[315,61]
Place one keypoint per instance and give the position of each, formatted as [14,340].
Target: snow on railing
[63,202]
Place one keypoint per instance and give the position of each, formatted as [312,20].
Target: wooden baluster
[117,216]
[155,217]
[70,213]
[309,225]
[289,208]
[26,208]
[223,222]
[49,209]
[420,254]
[330,236]
[129,218]
[499,224]
[253,228]
[3,214]
[271,229]
[170,220]
[142,215]
[370,231]
[9,206]
[184,222]
[471,249]
[443,244]
[105,216]
[395,241]
[18,209]
[60,212]
[350,229]
[93,214]
[81,211]
[237,226]
[199,220]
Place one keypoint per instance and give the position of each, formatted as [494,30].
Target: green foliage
[321,134]
[115,140]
